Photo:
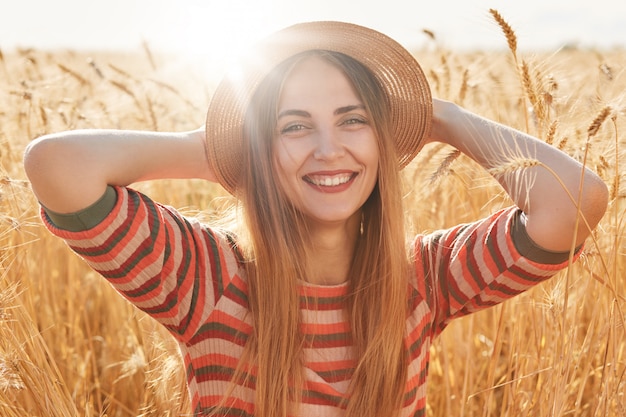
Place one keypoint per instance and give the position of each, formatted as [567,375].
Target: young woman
[316,305]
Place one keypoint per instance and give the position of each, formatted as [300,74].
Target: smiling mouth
[329,180]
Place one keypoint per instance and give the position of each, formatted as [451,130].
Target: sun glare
[216,31]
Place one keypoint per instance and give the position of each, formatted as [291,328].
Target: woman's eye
[292,128]
[355,120]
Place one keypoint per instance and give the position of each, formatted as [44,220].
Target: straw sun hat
[395,68]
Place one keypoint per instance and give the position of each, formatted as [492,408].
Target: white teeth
[331,181]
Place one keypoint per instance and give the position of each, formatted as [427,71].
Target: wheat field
[70,346]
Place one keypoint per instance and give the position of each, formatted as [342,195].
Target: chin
[333,218]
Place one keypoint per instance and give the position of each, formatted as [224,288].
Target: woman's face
[326,150]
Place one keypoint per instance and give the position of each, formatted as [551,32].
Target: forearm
[70,170]
[543,181]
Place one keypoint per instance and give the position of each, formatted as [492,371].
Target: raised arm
[544,182]
[70,170]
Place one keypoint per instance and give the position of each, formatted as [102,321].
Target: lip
[308,179]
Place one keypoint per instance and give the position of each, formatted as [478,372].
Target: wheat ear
[513,165]
[595,125]
[508,31]
[444,167]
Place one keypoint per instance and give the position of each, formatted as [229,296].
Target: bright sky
[216,27]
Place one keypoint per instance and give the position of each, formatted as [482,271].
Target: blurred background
[218,28]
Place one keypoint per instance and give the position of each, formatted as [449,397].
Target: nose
[328,146]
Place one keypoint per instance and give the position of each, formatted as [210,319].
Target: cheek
[372,161]
[373,155]
[281,160]
[285,167]
[370,154]
[285,174]
[287,158]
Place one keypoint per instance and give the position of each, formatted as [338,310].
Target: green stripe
[86,218]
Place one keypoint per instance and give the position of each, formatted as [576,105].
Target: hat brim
[397,71]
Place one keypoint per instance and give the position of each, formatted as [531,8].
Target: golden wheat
[512,166]
[551,132]
[444,166]
[74,74]
[595,125]
[507,30]
[464,87]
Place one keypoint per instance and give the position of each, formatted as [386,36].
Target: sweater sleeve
[170,266]
[473,266]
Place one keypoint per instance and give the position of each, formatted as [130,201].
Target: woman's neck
[332,251]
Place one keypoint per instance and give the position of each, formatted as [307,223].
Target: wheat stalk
[153,117]
[174,91]
[146,49]
[508,31]
[607,71]
[126,90]
[430,34]
[73,74]
[446,74]
[121,71]
[513,165]
[464,86]
[95,67]
[444,166]
[4,65]
[616,182]
[531,90]
[551,132]
[595,125]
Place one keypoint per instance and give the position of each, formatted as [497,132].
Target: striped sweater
[189,277]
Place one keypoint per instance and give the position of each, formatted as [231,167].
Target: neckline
[322,291]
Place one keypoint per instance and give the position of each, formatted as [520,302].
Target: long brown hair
[275,248]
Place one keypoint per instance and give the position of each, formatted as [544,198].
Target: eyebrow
[300,113]
[347,109]
[303,113]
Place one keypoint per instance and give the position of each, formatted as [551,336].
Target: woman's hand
[70,170]
[544,182]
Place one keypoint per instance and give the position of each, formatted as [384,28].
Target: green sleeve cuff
[86,218]
[529,249]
